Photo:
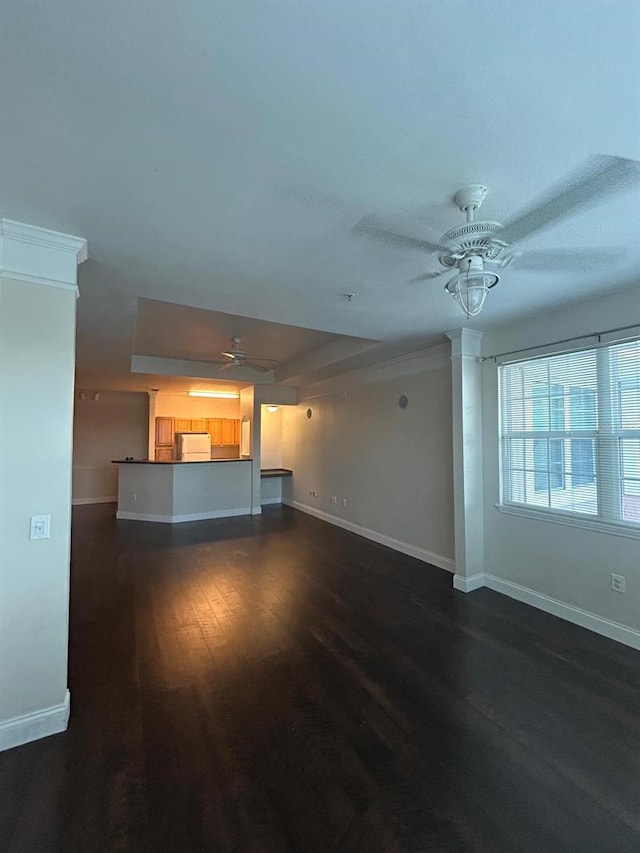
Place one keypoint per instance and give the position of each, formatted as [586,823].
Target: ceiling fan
[475,250]
[235,356]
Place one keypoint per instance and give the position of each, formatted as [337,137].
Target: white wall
[110,428]
[568,564]
[37,350]
[393,466]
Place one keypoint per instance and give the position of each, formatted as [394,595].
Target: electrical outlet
[344,502]
[40,527]
[618,583]
[334,499]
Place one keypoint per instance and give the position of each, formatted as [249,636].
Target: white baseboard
[83,501]
[179,519]
[48,721]
[269,501]
[583,618]
[468,584]
[423,554]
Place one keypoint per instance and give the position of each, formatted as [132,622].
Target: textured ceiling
[216,155]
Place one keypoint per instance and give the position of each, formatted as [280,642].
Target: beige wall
[181,406]
[271,438]
[568,564]
[110,428]
[37,350]
[393,466]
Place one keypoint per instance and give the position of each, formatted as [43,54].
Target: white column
[250,408]
[466,384]
[152,424]
[37,359]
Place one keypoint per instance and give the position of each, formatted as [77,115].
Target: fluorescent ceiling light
[223,395]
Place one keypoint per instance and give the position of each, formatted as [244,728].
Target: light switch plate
[40,527]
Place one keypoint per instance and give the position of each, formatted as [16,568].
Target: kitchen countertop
[276,472]
[175,461]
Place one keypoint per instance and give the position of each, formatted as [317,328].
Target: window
[570,433]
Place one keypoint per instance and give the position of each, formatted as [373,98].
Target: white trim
[465,343]
[463,584]
[571,520]
[268,501]
[605,627]
[179,519]
[5,272]
[35,236]
[39,256]
[83,501]
[24,729]
[422,554]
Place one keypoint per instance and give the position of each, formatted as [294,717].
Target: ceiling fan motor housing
[474,238]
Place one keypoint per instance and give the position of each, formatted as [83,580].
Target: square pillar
[468,500]
[38,295]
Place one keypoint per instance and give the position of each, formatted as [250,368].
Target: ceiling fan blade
[225,366]
[428,275]
[257,367]
[567,260]
[367,227]
[599,177]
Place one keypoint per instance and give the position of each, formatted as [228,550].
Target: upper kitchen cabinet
[214,428]
[164,432]
[199,425]
[183,425]
[228,432]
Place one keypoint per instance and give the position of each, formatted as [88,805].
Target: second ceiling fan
[236,357]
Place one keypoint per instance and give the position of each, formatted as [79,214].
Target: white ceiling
[217,154]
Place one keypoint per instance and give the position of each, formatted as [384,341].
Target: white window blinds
[570,433]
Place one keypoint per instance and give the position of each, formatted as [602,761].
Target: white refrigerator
[194,446]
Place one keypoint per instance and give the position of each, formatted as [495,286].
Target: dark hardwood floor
[277,684]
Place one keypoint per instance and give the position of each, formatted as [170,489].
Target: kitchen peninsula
[173,492]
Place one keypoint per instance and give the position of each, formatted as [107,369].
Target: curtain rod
[597,335]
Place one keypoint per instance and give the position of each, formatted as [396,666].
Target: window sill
[569,520]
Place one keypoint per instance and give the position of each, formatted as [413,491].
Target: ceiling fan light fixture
[470,287]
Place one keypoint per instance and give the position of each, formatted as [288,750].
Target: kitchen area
[176,419]
[175,457]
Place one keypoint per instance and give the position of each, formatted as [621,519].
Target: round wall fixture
[309,414]
[403,401]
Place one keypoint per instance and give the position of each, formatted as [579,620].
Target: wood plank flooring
[277,684]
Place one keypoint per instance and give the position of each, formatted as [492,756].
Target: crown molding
[420,361]
[40,256]
[465,342]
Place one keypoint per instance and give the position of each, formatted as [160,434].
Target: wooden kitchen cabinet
[214,428]
[164,454]
[199,425]
[183,424]
[228,432]
[164,432]
[236,431]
